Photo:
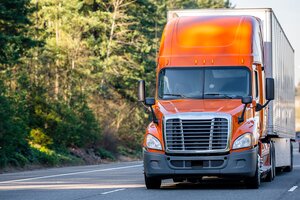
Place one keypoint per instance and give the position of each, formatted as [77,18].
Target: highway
[125,181]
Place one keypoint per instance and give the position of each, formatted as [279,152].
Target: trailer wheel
[272,173]
[152,182]
[254,182]
[290,167]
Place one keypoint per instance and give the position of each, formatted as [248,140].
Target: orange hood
[230,106]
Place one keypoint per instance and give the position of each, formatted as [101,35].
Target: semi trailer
[224,98]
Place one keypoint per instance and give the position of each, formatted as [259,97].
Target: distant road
[125,181]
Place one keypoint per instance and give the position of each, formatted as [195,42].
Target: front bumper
[239,164]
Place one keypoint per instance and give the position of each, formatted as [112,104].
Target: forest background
[68,77]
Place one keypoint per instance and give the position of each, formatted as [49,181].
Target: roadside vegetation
[68,74]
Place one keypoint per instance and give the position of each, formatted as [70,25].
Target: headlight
[153,143]
[243,141]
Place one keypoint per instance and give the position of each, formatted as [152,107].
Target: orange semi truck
[213,115]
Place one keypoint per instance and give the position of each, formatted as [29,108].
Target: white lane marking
[113,191]
[66,186]
[296,166]
[68,174]
[293,188]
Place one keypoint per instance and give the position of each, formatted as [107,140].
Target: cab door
[258,85]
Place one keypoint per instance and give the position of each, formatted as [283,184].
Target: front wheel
[254,182]
[152,182]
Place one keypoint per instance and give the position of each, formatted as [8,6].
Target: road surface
[125,181]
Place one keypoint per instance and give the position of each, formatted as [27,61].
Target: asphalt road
[125,181]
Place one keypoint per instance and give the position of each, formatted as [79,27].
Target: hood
[229,106]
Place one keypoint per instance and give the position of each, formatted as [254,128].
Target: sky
[288,14]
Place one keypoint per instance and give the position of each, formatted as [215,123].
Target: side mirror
[269,89]
[247,100]
[269,94]
[150,101]
[141,91]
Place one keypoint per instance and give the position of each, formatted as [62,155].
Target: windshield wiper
[175,95]
[222,95]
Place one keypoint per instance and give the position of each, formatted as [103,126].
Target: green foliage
[125,151]
[12,129]
[68,74]
[58,125]
[103,153]
[14,40]
[18,160]
[45,156]
[37,136]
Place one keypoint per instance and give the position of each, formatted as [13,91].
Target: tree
[70,68]
[15,42]
[13,31]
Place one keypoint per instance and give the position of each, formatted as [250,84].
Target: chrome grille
[196,135]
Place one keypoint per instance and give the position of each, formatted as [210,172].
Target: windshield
[204,83]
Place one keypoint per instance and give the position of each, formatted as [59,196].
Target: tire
[254,182]
[272,173]
[152,182]
[290,167]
